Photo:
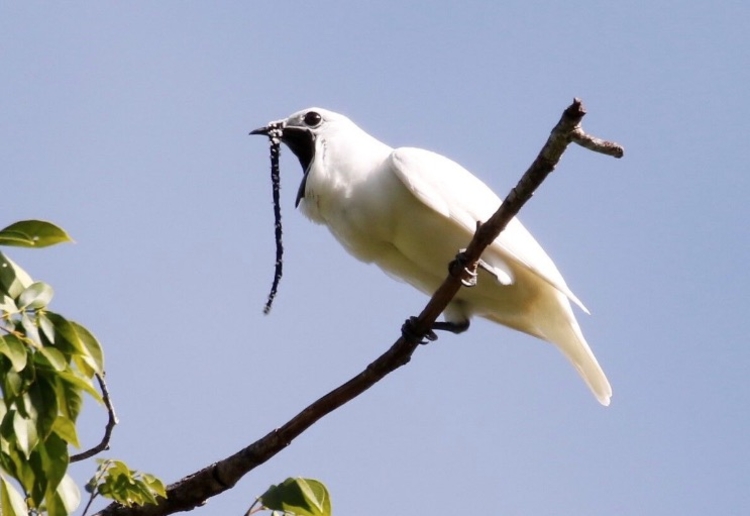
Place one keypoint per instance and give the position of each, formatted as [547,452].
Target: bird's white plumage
[451,190]
[410,210]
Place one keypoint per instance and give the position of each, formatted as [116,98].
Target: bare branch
[195,489]
[596,144]
[111,422]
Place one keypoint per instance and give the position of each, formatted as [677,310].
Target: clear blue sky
[127,122]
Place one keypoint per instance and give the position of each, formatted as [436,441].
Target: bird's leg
[452,327]
[407,330]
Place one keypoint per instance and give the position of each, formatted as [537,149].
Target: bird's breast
[361,210]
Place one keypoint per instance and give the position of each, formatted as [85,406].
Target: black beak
[261,130]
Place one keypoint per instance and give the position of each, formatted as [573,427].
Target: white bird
[410,210]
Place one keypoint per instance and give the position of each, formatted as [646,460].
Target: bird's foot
[458,269]
[407,330]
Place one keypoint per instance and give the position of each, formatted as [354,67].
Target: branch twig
[111,422]
[596,144]
[193,490]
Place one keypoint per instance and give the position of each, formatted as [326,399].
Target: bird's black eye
[312,118]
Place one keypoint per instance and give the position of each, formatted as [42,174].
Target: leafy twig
[93,483]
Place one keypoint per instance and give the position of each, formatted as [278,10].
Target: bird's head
[304,132]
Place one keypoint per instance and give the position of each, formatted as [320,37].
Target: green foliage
[114,480]
[11,501]
[47,363]
[298,496]
[33,233]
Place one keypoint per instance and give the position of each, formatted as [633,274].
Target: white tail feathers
[588,367]
[569,339]
[558,325]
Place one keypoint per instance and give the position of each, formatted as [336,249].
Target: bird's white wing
[451,190]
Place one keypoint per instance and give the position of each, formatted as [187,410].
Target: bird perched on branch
[410,210]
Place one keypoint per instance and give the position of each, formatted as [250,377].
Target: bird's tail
[550,317]
[561,328]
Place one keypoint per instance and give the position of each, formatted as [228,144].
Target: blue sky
[126,123]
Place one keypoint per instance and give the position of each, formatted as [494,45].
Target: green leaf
[19,466]
[25,433]
[69,399]
[37,295]
[80,383]
[43,398]
[29,329]
[35,478]
[90,486]
[83,345]
[300,496]
[33,233]
[8,305]
[83,366]
[54,460]
[66,429]
[155,485]
[12,347]
[141,492]
[11,501]
[65,498]
[94,356]
[51,357]
[48,329]
[12,384]
[13,279]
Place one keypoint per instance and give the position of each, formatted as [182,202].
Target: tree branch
[111,422]
[195,489]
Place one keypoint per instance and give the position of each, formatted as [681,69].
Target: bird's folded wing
[452,191]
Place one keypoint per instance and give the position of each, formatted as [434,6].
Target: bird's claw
[407,330]
[458,269]
[471,281]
